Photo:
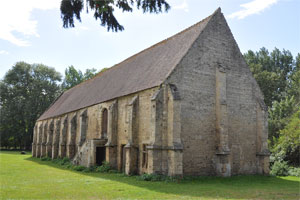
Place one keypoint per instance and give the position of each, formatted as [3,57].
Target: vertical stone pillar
[175,165]
[34,141]
[131,147]
[39,140]
[44,139]
[155,148]
[223,164]
[262,151]
[111,145]
[63,136]
[72,137]
[55,141]
[50,139]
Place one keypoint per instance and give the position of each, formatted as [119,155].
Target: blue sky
[31,31]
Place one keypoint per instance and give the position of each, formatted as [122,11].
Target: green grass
[24,177]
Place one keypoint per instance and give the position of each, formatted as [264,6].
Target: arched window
[83,126]
[104,123]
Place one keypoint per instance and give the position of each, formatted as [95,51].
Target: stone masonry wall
[197,80]
[88,128]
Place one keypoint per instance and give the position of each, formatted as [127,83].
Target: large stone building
[188,105]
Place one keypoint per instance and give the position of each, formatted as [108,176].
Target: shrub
[45,158]
[55,160]
[65,161]
[280,168]
[69,165]
[287,146]
[294,171]
[153,177]
[105,167]
[79,168]
[158,177]
[89,169]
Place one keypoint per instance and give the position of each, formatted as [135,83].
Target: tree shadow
[235,187]
[14,152]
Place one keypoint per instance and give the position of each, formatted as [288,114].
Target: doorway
[100,155]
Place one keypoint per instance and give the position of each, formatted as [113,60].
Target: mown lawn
[24,177]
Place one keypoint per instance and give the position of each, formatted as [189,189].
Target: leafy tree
[294,84]
[272,72]
[288,145]
[25,93]
[279,115]
[278,76]
[104,10]
[74,77]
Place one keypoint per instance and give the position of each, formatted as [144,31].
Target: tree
[104,10]
[279,115]
[25,93]
[278,75]
[288,145]
[272,72]
[74,77]
[294,84]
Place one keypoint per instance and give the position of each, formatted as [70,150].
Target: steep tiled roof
[144,70]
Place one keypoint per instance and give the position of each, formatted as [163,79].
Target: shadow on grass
[14,152]
[236,187]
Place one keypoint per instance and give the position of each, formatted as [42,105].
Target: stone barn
[187,105]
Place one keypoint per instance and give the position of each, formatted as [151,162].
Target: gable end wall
[195,77]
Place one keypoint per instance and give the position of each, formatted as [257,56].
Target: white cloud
[253,7]
[3,52]
[183,6]
[15,17]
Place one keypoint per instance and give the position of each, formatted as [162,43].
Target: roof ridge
[154,45]
[145,69]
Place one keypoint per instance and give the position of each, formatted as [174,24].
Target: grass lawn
[24,177]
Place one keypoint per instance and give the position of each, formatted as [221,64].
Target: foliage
[279,115]
[79,168]
[46,158]
[272,72]
[158,177]
[105,167]
[65,160]
[280,168]
[26,91]
[90,169]
[104,69]
[278,75]
[104,10]
[294,81]
[66,163]
[294,171]
[61,161]
[74,77]
[287,148]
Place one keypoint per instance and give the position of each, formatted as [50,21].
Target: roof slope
[145,70]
